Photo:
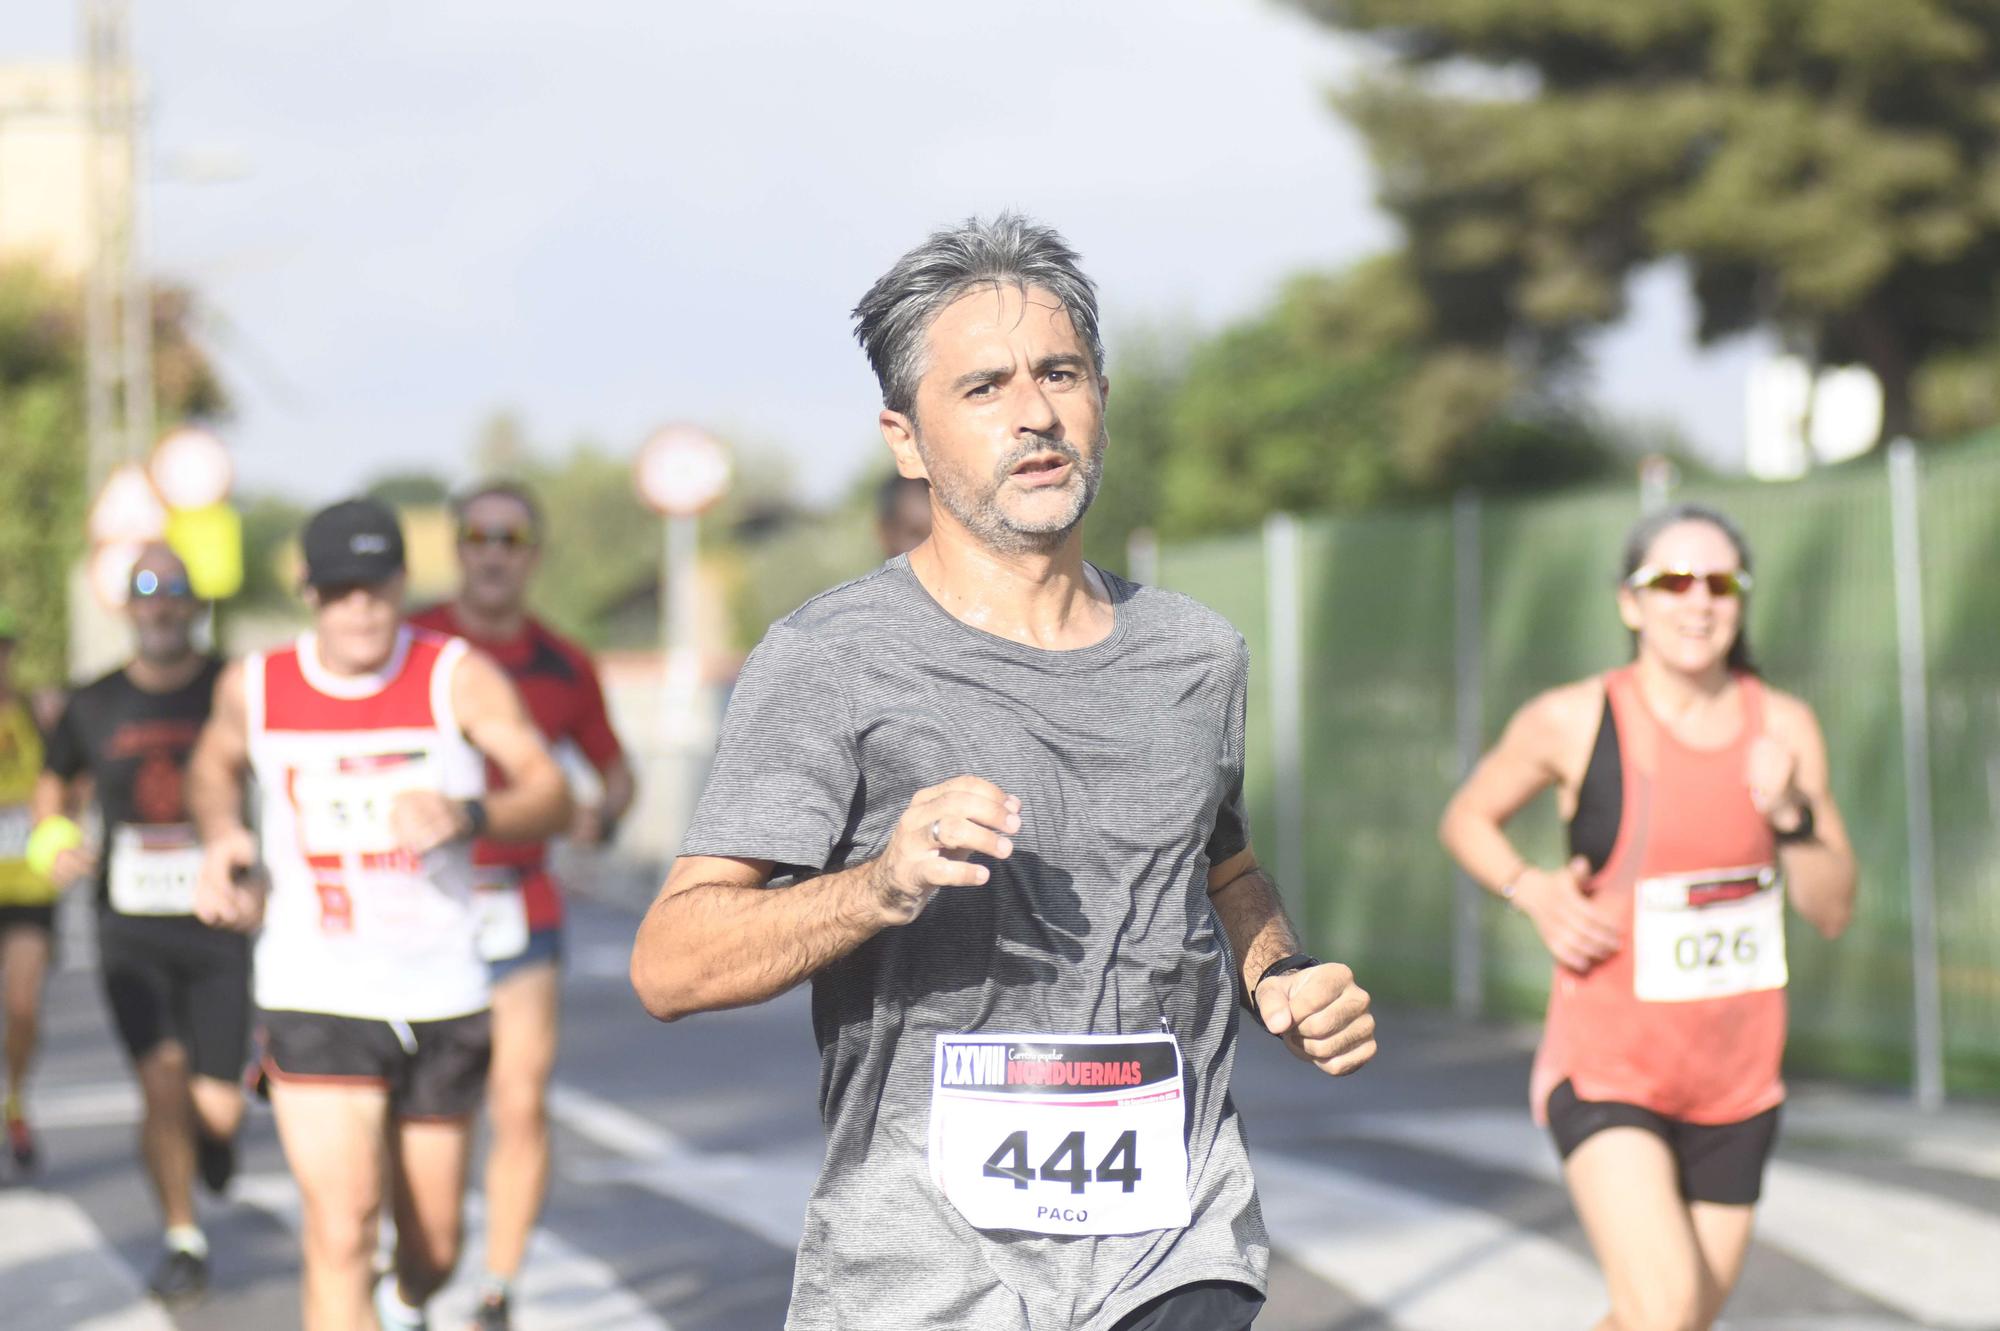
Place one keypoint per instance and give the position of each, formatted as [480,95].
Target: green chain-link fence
[1384,682]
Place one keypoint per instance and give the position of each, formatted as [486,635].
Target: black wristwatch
[475,818]
[1298,961]
[1803,832]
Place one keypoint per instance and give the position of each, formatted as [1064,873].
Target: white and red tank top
[356,926]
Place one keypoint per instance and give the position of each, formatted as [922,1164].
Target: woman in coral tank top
[1697,804]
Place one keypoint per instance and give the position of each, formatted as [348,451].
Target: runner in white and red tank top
[369,740]
[1698,808]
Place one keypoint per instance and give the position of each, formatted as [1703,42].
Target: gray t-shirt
[1127,757]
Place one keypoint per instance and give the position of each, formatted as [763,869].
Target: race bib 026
[1709,935]
[1061,1134]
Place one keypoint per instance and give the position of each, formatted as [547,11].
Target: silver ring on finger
[937,831]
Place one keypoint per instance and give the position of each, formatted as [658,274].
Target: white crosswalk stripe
[765,1195]
[1428,1264]
[87,1105]
[561,1288]
[58,1270]
[1900,1247]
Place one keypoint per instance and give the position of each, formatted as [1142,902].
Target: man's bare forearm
[1822,884]
[713,945]
[619,788]
[535,808]
[215,795]
[1253,917]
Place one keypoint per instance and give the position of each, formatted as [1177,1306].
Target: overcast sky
[609,215]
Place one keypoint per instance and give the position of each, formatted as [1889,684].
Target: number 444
[1065,1164]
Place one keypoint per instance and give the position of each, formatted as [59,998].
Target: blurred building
[45,144]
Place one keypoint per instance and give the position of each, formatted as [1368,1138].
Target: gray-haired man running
[1005,788]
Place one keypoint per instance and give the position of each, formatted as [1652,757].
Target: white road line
[560,1289]
[1430,1265]
[765,1194]
[1903,1248]
[59,1270]
[87,1105]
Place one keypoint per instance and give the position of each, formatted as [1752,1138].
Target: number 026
[1120,1164]
[1712,948]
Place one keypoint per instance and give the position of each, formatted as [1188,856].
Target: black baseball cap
[356,542]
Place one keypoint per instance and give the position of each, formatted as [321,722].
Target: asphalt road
[1415,1196]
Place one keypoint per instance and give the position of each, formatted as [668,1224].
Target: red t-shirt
[560,687]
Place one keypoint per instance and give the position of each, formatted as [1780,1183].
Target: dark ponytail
[1647,530]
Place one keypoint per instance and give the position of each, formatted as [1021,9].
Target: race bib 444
[1061,1134]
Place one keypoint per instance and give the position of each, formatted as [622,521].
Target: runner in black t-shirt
[178,990]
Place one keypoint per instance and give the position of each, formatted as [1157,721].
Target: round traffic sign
[191,468]
[681,471]
[127,508]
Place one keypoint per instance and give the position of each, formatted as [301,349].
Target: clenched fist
[1322,1016]
[228,893]
[1772,771]
[934,842]
[423,820]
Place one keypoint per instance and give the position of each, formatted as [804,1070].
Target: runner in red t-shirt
[499,535]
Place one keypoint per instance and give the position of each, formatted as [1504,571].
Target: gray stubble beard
[981,513]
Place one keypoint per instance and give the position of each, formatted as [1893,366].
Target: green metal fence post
[1468,960]
[1927,1024]
[1287,683]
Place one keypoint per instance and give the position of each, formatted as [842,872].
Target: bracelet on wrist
[1513,885]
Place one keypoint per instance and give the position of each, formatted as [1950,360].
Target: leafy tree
[270,524]
[1337,397]
[1829,169]
[42,449]
[1146,370]
[409,489]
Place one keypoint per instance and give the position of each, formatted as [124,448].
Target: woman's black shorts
[1721,1163]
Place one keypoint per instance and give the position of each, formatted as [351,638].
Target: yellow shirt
[20,764]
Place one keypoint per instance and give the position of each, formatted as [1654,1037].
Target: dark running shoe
[492,1314]
[180,1278]
[215,1159]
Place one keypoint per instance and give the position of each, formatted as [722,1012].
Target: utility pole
[117,307]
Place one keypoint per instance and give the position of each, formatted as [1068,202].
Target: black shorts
[1722,1163]
[174,978]
[1207,1305]
[31,917]
[431,1069]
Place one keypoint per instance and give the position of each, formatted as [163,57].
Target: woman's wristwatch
[1802,830]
